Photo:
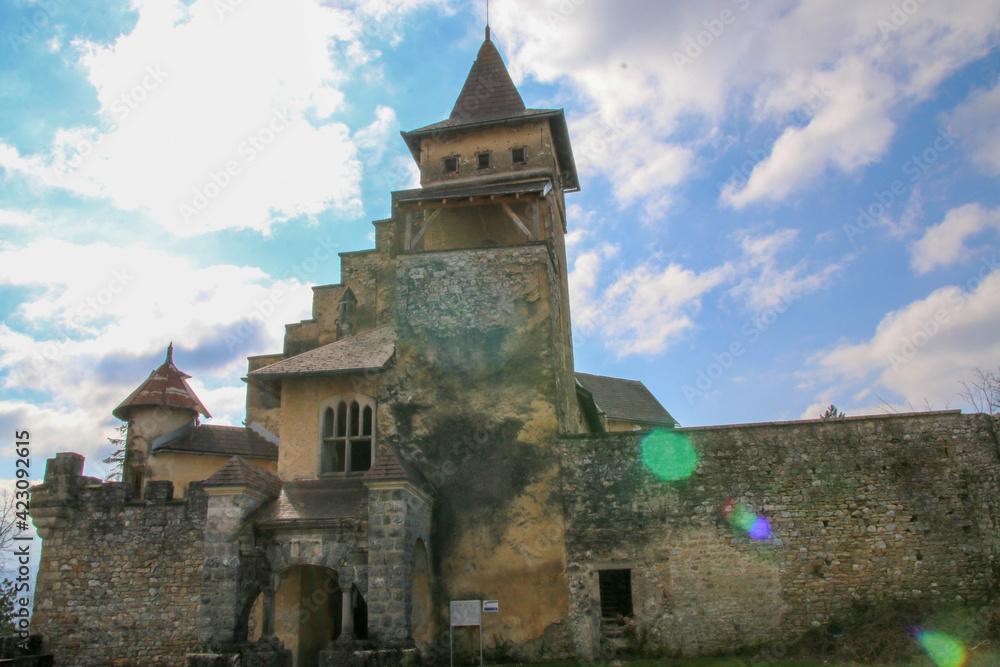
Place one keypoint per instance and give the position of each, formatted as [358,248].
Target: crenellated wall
[860,509]
[120,579]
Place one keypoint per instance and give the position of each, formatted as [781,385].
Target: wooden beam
[407,246]
[537,227]
[516,220]
[426,225]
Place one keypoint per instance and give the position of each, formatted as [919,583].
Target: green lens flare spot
[668,455]
[945,651]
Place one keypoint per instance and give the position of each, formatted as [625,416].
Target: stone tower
[483,346]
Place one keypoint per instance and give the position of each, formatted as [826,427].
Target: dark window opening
[616,593]
[451,165]
[346,438]
[519,155]
[484,160]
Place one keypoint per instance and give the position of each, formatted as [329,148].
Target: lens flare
[668,455]
[945,651]
[743,519]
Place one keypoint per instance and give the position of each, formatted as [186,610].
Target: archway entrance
[308,612]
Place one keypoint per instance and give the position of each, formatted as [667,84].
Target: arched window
[346,431]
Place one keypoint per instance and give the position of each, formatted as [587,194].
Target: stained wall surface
[861,509]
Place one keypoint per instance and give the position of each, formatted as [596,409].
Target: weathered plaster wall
[866,508]
[263,406]
[535,136]
[182,469]
[475,406]
[116,573]
[298,455]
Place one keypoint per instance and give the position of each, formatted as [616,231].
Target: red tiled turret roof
[165,386]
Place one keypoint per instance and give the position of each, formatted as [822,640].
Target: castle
[424,438]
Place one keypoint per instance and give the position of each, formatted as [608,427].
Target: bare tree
[116,461]
[982,392]
[7,521]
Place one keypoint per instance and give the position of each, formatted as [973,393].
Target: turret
[161,407]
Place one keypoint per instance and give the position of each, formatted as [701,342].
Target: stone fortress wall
[860,510]
[121,579]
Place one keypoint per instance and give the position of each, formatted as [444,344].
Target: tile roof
[626,400]
[389,466]
[369,351]
[165,386]
[221,441]
[340,498]
[238,472]
[489,91]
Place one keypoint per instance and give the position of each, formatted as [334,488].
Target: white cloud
[922,351]
[92,334]
[828,78]
[944,243]
[10,218]
[976,122]
[765,284]
[644,309]
[206,127]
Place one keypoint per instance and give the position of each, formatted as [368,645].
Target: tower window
[519,155]
[484,160]
[451,164]
[346,435]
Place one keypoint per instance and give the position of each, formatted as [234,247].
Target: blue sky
[785,204]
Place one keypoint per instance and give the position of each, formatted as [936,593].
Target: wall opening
[616,593]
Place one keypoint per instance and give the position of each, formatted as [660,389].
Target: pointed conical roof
[165,386]
[489,98]
[348,296]
[488,92]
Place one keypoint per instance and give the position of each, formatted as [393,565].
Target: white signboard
[465,612]
[491,605]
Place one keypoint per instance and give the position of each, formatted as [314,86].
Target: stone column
[347,614]
[394,511]
[222,573]
[268,612]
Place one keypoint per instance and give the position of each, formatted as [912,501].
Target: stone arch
[308,613]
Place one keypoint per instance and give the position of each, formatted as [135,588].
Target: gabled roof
[221,441]
[391,467]
[165,386]
[625,400]
[307,500]
[238,472]
[370,351]
[488,92]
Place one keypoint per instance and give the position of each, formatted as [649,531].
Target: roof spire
[170,353]
[487,20]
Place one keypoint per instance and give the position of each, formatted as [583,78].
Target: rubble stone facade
[435,444]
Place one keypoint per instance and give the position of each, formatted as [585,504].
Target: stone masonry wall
[860,509]
[397,519]
[120,580]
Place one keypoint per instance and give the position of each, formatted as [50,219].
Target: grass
[976,659]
